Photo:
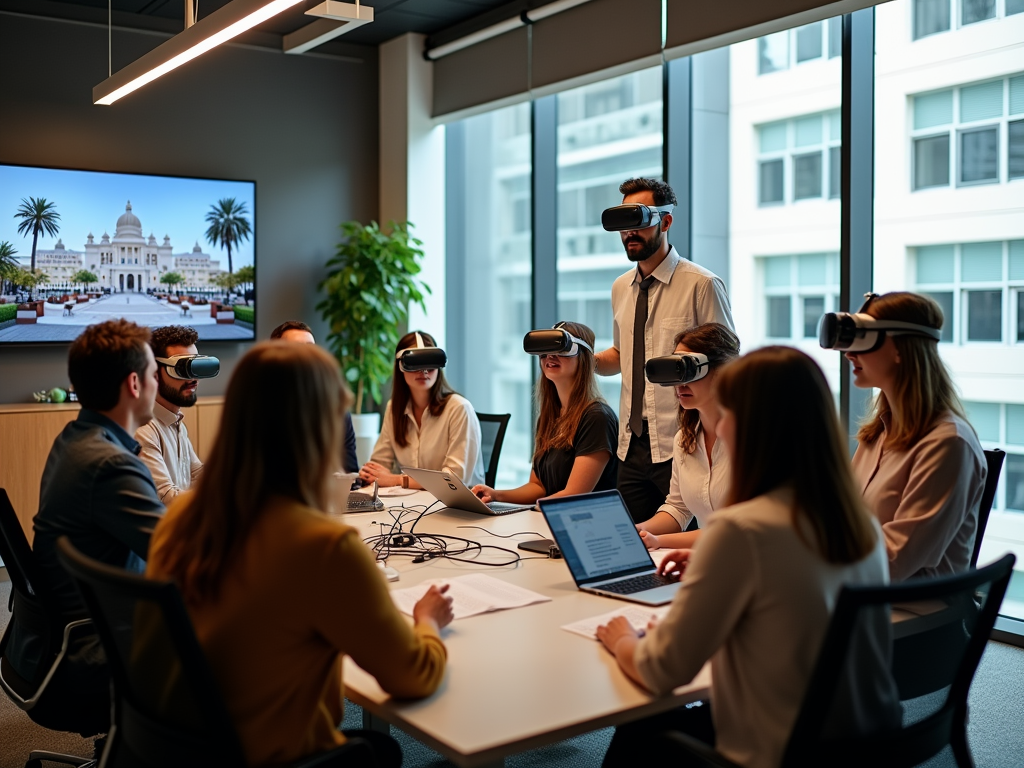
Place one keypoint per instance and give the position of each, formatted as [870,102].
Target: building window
[799,159]
[1001,425]
[957,134]
[798,290]
[980,287]
[782,50]
[934,16]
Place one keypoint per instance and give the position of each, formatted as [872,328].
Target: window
[969,121]
[798,290]
[932,16]
[799,159]
[783,50]
[607,132]
[979,287]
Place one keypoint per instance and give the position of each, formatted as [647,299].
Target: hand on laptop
[435,607]
[673,565]
[485,493]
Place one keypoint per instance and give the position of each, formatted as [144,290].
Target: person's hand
[372,471]
[615,630]
[650,540]
[485,493]
[435,607]
[673,565]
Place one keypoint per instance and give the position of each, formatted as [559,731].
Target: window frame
[791,152]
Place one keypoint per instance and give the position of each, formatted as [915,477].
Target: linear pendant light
[336,18]
[220,26]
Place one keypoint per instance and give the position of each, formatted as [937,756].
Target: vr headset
[633,216]
[672,370]
[557,341]
[189,367]
[421,357]
[860,332]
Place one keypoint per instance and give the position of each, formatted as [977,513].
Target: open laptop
[603,548]
[364,499]
[448,488]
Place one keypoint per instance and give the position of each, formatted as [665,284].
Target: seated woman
[252,542]
[762,581]
[918,462]
[577,433]
[700,463]
[427,424]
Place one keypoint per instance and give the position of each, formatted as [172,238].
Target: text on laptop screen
[600,535]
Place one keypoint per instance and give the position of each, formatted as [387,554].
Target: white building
[59,264]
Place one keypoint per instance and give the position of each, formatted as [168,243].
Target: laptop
[347,499]
[603,548]
[448,488]
[364,499]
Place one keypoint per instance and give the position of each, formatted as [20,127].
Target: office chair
[818,736]
[994,459]
[492,431]
[33,613]
[168,709]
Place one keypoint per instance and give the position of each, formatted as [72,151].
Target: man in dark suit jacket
[96,491]
[299,332]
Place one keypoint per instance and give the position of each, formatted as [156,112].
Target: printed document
[637,615]
[471,595]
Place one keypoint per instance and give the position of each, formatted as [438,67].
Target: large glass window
[607,132]
[782,50]
[798,158]
[965,248]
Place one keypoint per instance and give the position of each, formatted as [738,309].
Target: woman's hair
[720,345]
[401,395]
[555,428]
[924,389]
[788,434]
[280,434]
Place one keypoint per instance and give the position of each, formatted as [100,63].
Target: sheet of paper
[471,595]
[637,615]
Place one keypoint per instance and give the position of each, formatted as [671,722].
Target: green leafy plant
[370,283]
[171,279]
[85,277]
[229,225]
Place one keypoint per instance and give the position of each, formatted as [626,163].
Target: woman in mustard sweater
[278,592]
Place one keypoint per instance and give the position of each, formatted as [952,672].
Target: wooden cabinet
[27,432]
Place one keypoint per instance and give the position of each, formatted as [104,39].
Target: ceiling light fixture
[220,26]
[336,18]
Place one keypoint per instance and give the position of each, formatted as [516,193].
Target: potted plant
[370,283]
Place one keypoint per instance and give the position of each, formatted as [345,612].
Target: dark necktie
[639,358]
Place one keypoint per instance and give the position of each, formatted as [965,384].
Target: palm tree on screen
[228,225]
[8,264]
[37,215]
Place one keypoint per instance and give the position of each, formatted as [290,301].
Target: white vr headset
[860,332]
[190,367]
[557,341]
[421,357]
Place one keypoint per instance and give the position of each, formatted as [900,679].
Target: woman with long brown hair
[427,424]
[700,462]
[278,591]
[574,450]
[918,462]
[762,581]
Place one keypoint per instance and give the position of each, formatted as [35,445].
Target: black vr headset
[421,357]
[189,367]
[672,370]
[633,216]
[557,341]
[860,332]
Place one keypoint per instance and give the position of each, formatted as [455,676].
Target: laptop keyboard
[636,584]
[503,508]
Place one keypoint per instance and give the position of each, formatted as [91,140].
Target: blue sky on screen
[90,201]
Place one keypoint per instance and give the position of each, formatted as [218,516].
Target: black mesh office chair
[994,459]
[492,431]
[168,709]
[967,603]
[33,613]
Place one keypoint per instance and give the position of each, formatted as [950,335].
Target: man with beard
[667,294]
[166,449]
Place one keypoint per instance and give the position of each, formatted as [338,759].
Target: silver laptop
[448,488]
[603,548]
[365,499]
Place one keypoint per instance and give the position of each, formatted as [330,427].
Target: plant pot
[367,429]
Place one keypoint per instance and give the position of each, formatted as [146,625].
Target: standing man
[166,449]
[664,295]
[297,331]
[96,491]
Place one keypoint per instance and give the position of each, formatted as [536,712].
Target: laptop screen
[596,535]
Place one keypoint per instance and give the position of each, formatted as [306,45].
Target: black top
[598,430]
[348,458]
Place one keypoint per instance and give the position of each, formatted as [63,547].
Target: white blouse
[451,440]
[697,488]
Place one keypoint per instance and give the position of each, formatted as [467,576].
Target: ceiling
[391,17]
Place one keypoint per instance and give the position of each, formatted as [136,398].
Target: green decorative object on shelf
[58,395]
[370,283]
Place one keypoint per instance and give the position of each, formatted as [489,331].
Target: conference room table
[515,680]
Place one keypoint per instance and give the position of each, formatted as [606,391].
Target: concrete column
[412,163]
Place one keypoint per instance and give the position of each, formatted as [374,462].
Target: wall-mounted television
[79,247]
